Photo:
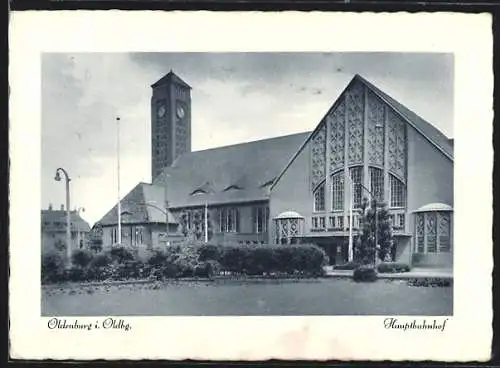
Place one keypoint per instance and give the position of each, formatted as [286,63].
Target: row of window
[133,235]
[336,222]
[229,219]
[397,192]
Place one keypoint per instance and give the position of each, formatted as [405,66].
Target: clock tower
[170,121]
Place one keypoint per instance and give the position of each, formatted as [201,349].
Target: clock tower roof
[170,78]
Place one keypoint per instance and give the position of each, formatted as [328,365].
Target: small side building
[53,223]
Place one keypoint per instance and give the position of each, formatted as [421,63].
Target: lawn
[248,298]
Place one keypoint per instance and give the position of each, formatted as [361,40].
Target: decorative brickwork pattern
[375,130]
[397,145]
[355,128]
[337,137]
[318,157]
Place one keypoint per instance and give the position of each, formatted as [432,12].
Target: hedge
[303,259]
[188,260]
[364,274]
[393,267]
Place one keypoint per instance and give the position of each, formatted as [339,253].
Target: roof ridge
[409,115]
[250,142]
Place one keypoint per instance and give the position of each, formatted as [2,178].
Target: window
[433,232]
[377,183]
[322,222]
[319,198]
[198,191]
[139,231]
[356,174]
[260,219]
[229,220]
[318,223]
[398,195]
[401,220]
[315,223]
[233,187]
[338,191]
[114,235]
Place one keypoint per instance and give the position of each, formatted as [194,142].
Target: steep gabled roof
[145,203]
[435,137]
[170,77]
[51,219]
[246,166]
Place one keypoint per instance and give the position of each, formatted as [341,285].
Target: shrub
[209,252]
[52,267]
[129,269]
[205,269]
[364,274]
[431,281]
[157,258]
[305,259]
[101,260]
[393,267]
[121,254]
[100,267]
[347,266]
[75,274]
[81,258]
[233,258]
[260,260]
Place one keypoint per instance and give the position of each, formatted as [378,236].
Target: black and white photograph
[318,190]
[247,184]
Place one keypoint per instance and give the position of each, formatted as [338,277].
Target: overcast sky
[236,97]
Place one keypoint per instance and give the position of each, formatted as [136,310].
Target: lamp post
[68,210]
[119,238]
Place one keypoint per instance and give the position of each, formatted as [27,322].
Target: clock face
[161,111]
[180,112]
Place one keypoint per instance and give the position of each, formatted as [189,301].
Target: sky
[236,97]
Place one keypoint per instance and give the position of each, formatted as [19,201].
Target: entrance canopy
[289,226]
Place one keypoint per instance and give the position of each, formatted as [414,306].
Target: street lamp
[119,241]
[68,209]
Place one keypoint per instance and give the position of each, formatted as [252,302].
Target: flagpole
[118,174]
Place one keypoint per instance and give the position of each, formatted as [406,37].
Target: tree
[385,238]
[365,247]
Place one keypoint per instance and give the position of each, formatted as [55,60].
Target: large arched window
[356,174]
[398,192]
[377,183]
[319,198]
[338,191]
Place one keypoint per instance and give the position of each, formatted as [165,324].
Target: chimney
[62,207]
[50,206]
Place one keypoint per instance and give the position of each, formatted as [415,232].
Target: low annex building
[54,230]
[296,188]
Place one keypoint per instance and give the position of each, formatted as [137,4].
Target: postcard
[250,186]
